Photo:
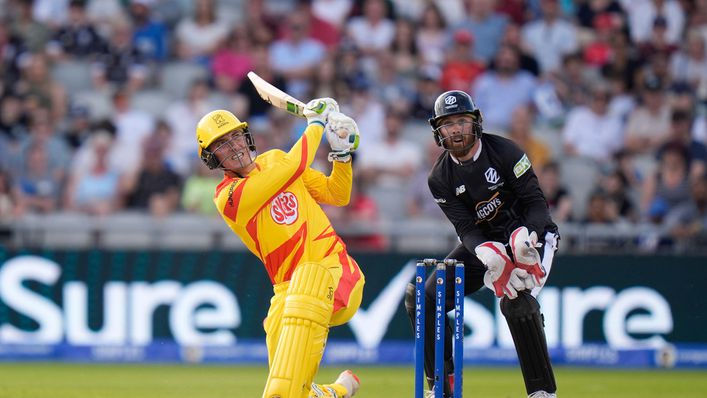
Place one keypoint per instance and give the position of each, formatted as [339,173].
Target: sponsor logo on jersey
[440,200]
[491,175]
[522,166]
[460,190]
[283,209]
[487,210]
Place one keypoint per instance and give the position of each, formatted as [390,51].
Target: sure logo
[283,209]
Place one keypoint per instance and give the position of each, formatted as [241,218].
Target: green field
[32,380]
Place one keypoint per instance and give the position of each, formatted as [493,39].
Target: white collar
[474,158]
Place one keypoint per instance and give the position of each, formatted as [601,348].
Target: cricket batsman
[272,202]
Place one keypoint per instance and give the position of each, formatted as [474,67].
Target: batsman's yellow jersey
[275,211]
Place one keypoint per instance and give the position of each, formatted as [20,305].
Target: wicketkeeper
[272,202]
[487,188]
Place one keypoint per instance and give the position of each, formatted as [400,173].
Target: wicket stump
[440,313]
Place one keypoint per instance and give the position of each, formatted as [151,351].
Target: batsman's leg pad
[305,325]
[526,325]
[273,322]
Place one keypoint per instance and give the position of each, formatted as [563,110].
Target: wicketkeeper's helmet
[214,125]
[453,103]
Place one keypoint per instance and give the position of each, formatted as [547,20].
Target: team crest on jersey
[284,208]
[491,175]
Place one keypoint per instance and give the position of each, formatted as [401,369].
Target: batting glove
[343,136]
[502,276]
[526,256]
[318,110]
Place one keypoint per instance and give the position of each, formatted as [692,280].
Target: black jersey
[487,198]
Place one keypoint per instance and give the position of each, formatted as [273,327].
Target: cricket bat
[276,97]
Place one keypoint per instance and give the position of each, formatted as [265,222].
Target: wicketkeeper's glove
[343,136]
[526,256]
[502,276]
[318,110]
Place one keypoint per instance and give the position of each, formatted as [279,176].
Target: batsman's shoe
[345,386]
[542,394]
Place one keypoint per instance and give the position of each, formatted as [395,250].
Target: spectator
[500,91]
[392,88]
[526,61]
[572,83]
[428,90]
[588,11]
[132,126]
[624,62]
[372,32]
[197,37]
[460,69]
[690,64]
[431,36]
[616,187]
[296,56]
[367,111]
[39,184]
[153,187]
[420,202]
[78,38]
[95,190]
[550,38]
[668,187]
[79,127]
[689,220]
[680,133]
[591,131]
[521,132]
[181,117]
[199,190]
[37,83]
[597,53]
[334,12]
[404,49]
[33,34]
[642,14]
[9,197]
[392,161]
[12,50]
[649,124]
[43,141]
[658,42]
[321,30]
[150,36]
[233,60]
[600,209]
[486,26]
[13,123]
[249,100]
[558,198]
[121,65]
[50,12]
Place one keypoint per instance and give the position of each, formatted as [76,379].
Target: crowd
[99,98]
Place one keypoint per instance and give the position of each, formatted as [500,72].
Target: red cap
[463,36]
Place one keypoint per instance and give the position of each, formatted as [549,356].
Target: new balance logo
[460,190]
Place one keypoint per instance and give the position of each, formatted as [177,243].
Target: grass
[40,380]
